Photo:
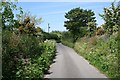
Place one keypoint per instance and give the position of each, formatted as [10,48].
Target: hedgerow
[25,56]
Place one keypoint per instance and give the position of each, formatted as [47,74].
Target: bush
[51,36]
[15,48]
[24,56]
[9,51]
[39,65]
[67,39]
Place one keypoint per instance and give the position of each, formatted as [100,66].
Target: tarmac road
[68,64]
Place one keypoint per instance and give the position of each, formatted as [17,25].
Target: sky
[53,12]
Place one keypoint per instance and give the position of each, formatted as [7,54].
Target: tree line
[81,22]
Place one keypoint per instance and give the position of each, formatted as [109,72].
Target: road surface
[68,64]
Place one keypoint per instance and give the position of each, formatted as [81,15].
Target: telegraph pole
[48,27]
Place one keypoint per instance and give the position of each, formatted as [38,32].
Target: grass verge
[100,52]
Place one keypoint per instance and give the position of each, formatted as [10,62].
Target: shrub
[9,50]
[39,65]
[24,56]
[67,39]
[99,31]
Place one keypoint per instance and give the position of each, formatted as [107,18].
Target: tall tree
[77,20]
[111,17]
[8,20]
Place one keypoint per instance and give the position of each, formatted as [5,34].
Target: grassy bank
[100,52]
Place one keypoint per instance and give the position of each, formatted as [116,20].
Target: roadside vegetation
[27,51]
[101,53]
[99,45]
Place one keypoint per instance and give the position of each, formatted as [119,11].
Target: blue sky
[53,12]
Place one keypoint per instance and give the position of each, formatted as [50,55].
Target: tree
[33,18]
[8,20]
[111,17]
[7,15]
[104,26]
[39,30]
[91,28]
[77,20]
[27,27]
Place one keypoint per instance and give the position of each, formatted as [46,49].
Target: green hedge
[25,56]
[36,67]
